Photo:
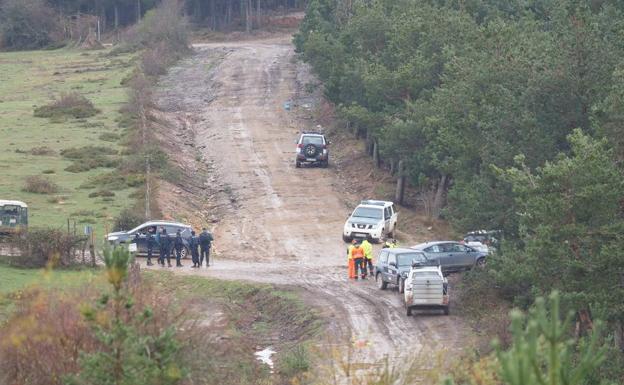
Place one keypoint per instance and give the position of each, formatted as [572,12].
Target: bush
[42,151]
[39,185]
[28,24]
[102,193]
[90,164]
[70,104]
[48,172]
[165,25]
[127,219]
[87,152]
[40,247]
[109,137]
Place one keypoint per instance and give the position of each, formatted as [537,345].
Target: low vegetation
[67,105]
[197,330]
[37,184]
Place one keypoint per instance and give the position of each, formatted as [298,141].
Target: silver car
[452,256]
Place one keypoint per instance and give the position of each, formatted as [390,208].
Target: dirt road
[276,223]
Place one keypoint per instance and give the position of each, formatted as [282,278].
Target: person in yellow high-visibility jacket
[350,261]
[368,256]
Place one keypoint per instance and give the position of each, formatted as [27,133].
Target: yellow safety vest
[368,249]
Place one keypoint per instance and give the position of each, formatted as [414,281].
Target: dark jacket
[165,242]
[193,244]
[178,242]
[205,239]
[150,241]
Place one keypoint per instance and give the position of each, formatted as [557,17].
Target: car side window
[392,211]
[387,213]
[433,249]
[383,257]
[392,258]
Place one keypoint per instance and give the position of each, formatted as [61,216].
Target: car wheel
[184,253]
[480,262]
[391,234]
[381,284]
[401,285]
[408,311]
[346,238]
[447,310]
[325,164]
[297,164]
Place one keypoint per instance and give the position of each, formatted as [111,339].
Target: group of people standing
[360,257]
[198,246]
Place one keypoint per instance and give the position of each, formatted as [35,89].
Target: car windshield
[316,140]
[368,212]
[406,259]
[9,210]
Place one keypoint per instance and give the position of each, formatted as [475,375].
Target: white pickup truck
[426,288]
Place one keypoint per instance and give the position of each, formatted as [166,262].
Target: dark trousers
[205,252]
[178,254]
[369,262]
[149,254]
[165,252]
[195,256]
[360,264]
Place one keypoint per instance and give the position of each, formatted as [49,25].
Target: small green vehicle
[13,217]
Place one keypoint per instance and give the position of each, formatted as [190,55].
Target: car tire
[325,164]
[184,253]
[381,284]
[480,262]
[447,310]
[297,164]
[391,234]
[401,285]
[346,238]
[408,311]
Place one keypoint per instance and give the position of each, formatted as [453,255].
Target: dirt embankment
[233,112]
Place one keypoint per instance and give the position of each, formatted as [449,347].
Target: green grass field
[31,79]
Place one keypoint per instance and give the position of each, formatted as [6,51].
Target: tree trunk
[369,143]
[438,201]
[618,335]
[399,195]
[376,159]
[393,166]
[116,12]
[138,11]
[228,13]
[258,17]
[213,15]
[248,11]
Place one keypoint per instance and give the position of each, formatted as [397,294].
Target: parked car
[312,149]
[373,220]
[426,288]
[490,238]
[137,235]
[13,217]
[452,256]
[393,266]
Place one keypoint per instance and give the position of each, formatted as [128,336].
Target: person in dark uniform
[165,248]
[150,243]
[193,245]
[205,241]
[178,244]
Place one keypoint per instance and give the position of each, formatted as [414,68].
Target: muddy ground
[226,123]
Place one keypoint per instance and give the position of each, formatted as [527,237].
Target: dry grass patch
[68,105]
[39,185]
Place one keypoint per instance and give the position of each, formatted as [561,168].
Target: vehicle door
[395,217]
[393,268]
[382,263]
[465,256]
[435,253]
[387,219]
[450,255]
[139,237]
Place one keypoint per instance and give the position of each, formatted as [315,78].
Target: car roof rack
[312,133]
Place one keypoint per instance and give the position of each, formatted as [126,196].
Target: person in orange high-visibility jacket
[358,256]
[350,261]
[368,256]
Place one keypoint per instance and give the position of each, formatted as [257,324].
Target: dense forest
[506,115]
[37,23]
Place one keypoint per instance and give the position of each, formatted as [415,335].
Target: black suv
[312,149]
[393,266]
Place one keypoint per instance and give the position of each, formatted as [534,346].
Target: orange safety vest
[357,252]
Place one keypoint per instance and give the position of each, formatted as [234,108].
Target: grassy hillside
[32,79]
